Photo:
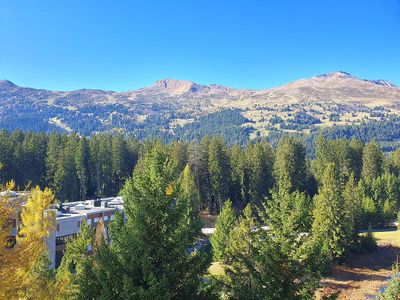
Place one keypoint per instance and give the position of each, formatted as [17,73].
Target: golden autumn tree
[9,207]
[26,264]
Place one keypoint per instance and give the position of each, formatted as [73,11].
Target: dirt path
[362,275]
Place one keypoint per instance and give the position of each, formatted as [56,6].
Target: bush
[392,291]
[366,243]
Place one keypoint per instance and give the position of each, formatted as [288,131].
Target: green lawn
[216,269]
[388,237]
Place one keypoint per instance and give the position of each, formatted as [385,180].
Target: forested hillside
[284,219]
[78,168]
[173,110]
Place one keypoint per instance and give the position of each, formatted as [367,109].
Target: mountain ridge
[166,83]
[171,103]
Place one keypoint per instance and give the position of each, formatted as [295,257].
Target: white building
[69,217]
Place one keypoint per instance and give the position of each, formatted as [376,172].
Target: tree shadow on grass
[359,270]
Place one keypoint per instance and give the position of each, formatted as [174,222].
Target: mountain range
[169,105]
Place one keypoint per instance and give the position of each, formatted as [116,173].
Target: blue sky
[124,45]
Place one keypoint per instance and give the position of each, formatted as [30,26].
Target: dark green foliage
[331,226]
[392,291]
[366,243]
[151,249]
[274,251]
[259,159]
[77,168]
[198,160]
[223,229]
[226,124]
[280,263]
[372,161]
[290,166]
[219,170]
[345,155]
[353,195]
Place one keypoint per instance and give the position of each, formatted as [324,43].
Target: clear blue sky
[124,45]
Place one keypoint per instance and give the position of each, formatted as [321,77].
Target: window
[62,240]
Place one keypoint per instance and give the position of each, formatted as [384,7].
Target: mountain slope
[336,98]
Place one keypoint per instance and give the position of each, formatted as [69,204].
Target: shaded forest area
[78,168]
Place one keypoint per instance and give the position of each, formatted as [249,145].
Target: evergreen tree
[73,264]
[54,147]
[270,265]
[356,157]
[189,190]
[372,161]
[260,162]
[370,212]
[290,167]
[41,280]
[223,229]
[82,167]
[219,169]
[353,195]
[152,247]
[198,162]
[119,163]
[239,192]
[330,225]
[179,154]
[395,162]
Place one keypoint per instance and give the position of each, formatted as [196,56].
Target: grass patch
[388,237]
[216,269]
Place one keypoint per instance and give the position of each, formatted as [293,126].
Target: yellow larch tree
[21,263]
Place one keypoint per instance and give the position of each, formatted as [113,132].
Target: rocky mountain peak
[6,83]
[174,86]
[337,75]
[382,82]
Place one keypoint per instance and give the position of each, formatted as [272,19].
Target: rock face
[190,100]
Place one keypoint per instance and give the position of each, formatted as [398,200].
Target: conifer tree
[9,209]
[241,262]
[198,162]
[372,161]
[119,163]
[82,167]
[370,212]
[66,183]
[278,263]
[41,280]
[152,247]
[188,189]
[330,225]
[52,159]
[260,161]
[353,195]
[219,169]
[239,191]
[290,163]
[73,264]
[223,229]
[24,262]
